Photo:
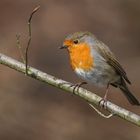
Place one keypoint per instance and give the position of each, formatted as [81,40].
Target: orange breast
[80,56]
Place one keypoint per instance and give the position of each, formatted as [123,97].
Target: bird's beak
[63,47]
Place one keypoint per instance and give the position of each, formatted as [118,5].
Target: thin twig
[30,36]
[19,48]
[100,113]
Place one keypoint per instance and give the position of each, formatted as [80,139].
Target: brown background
[30,110]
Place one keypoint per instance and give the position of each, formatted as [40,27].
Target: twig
[101,114]
[92,98]
[29,35]
[19,48]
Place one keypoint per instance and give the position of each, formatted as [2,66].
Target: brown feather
[111,60]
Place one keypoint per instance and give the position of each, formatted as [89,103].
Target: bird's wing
[111,60]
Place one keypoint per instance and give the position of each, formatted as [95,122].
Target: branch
[30,35]
[92,98]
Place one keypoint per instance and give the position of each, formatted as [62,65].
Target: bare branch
[30,35]
[92,98]
[100,113]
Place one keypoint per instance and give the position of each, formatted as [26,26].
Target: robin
[93,61]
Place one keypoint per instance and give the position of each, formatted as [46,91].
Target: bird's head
[77,40]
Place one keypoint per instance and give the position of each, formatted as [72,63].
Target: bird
[94,62]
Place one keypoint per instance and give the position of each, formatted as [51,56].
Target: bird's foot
[103,103]
[77,86]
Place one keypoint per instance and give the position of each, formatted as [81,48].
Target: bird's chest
[81,58]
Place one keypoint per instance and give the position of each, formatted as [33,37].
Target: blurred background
[31,110]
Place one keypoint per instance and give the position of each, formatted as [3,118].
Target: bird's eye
[76,41]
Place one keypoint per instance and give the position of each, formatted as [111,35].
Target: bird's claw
[77,86]
[103,103]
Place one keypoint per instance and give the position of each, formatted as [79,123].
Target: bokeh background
[31,110]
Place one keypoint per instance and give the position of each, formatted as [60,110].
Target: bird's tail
[131,98]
